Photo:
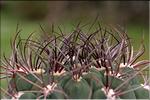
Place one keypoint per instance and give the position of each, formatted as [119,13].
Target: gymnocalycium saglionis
[97,64]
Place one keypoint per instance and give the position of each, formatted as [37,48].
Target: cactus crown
[97,65]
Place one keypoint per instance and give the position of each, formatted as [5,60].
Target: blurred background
[133,16]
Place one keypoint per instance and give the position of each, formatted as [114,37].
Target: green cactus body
[94,79]
[81,88]
[114,82]
[140,93]
[128,73]
[89,85]
[28,96]
[99,94]
[21,84]
[45,78]
[77,89]
[99,73]
[63,80]
[54,95]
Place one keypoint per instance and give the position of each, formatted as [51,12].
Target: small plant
[79,65]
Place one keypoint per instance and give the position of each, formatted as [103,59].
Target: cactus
[98,65]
